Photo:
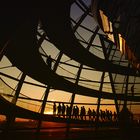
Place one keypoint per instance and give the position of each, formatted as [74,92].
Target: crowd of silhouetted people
[74,112]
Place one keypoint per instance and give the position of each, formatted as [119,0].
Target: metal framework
[115,63]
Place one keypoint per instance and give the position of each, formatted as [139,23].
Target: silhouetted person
[83,113]
[115,116]
[54,108]
[107,115]
[101,115]
[49,61]
[94,114]
[63,109]
[74,112]
[89,113]
[59,108]
[68,111]
[77,112]
[110,115]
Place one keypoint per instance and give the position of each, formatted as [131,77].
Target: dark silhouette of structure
[54,108]
[21,42]
[49,61]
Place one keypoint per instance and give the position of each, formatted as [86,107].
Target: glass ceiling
[69,68]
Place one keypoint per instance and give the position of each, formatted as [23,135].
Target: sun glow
[48,112]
